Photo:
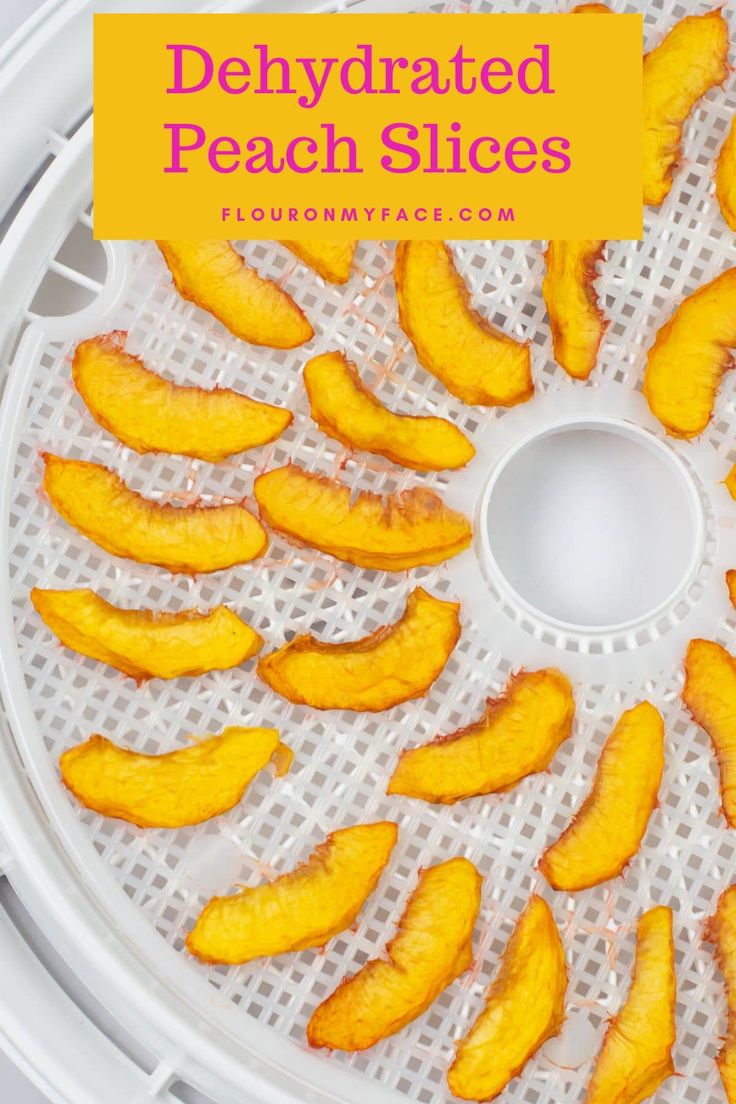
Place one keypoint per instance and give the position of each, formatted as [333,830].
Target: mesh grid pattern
[343,761]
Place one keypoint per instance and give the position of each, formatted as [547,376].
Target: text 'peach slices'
[143,643]
[518,736]
[150,414]
[710,695]
[691,59]
[393,532]
[187,539]
[344,408]
[636,1056]
[475,361]
[576,321]
[214,276]
[610,825]
[330,259]
[524,1007]
[394,664]
[690,356]
[721,930]
[298,910]
[178,788]
[432,947]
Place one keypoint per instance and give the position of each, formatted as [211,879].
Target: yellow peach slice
[298,910]
[214,276]
[150,414]
[330,259]
[189,539]
[730,481]
[607,831]
[591,9]
[690,355]
[518,736]
[576,321]
[475,361]
[432,947]
[524,1007]
[636,1056]
[710,695]
[394,664]
[731,585]
[145,644]
[726,177]
[171,790]
[394,532]
[721,930]
[344,408]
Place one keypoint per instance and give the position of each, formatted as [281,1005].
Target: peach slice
[721,930]
[330,259]
[214,276]
[394,532]
[188,539]
[298,910]
[145,644]
[730,481]
[636,1056]
[524,1007]
[607,831]
[591,9]
[475,361]
[691,59]
[726,177]
[171,790]
[432,947]
[731,585]
[577,323]
[519,735]
[710,695]
[150,414]
[344,408]
[690,355]
[394,664]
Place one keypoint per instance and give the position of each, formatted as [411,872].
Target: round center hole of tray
[594,524]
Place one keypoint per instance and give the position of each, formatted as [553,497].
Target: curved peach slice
[344,408]
[330,259]
[730,481]
[576,321]
[97,502]
[298,910]
[168,791]
[145,644]
[726,177]
[690,356]
[731,585]
[607,831]
[636,1056]
[394,664]
[150,414]
[519,735]
[433,946]
[473,359]
[692,59]
[214,276]
[394,532]
[524,1007]
[710,695]
[721,930]
[591,9]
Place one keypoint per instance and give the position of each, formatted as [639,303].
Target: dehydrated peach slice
[731,584]
[605,834]
[721,930]
[591,9]
[330,259]
[692,59]
[432,947]
[298,910]
[97,502]
[394,664]
[214,276]
[710,695]
[524,1007]
[344,408]
[519,735]
[150,414]
[690,356]
[730,481]
[171,790]
[473,359]
[636,1056]
[145,644]
[726,177]
[394,532]
[577,323]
